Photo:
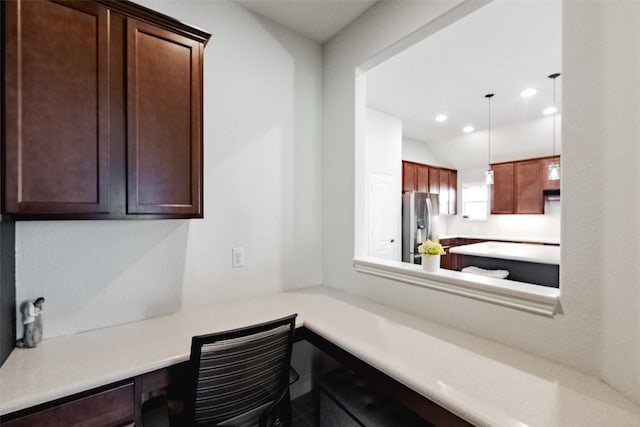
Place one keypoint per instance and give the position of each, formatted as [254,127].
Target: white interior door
[383,216]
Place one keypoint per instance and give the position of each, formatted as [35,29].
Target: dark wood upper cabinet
[518,186]
[453,192]
[164,89]
[422,181]
[409,176]
[443,194]
[103,112]
[502,190]
[528,187]
[434,181]
[56,119]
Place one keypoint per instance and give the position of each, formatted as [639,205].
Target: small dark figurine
[32,319]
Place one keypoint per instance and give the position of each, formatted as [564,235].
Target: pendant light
[488,174]
[553,173]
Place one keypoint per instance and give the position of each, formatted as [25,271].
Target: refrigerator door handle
[428,212]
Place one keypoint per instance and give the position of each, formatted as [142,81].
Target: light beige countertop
[542,254]
[547,240]
[485,383]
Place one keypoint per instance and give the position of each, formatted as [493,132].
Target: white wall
[418,151]
[383,143]
[599,332]
[601,201]
[262,155]
[382,159]
[517,141]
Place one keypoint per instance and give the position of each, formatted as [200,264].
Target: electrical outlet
[237,257]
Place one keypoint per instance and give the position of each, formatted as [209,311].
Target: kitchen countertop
[547,240]
[542,254]
[486,383]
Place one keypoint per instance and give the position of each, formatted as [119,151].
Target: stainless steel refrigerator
[419,213]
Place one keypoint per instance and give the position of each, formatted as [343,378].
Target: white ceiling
[318,20]
[503,48]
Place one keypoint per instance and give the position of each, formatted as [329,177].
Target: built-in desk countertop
[480,381]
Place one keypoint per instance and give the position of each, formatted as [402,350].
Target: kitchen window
[475,201]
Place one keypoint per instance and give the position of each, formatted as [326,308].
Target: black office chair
[241,377]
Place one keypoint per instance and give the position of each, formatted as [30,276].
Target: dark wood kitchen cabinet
[448,191]
[56,143]
[449,261]
[453,192]
[518,186]
[433,180]
[409,176]
[528,187]
[108,406]
[422,181]
[443,194]
[502,190]
[164,89]
[103,112]
[415,177]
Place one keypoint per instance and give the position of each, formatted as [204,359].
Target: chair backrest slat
[235,372]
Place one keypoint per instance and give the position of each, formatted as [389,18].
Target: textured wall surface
[601,221]
[599,330]
[262,191]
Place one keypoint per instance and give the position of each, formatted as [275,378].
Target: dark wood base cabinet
[114,406]
[103,112]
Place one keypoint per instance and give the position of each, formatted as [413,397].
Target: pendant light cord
[554,116]
[489,96]
[554,77]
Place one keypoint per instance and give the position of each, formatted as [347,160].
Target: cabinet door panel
[409,176]
[434,181]
[528,183]
[114,407]
[164,81]
[56,108]
[443,198]
[453,192]
[422,181]
[502,197]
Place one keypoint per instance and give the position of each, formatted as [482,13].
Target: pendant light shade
[488,174]
[488,177]
[553,173]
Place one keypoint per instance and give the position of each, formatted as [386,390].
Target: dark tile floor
[304,411]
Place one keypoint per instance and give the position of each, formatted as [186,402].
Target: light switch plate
[237,257]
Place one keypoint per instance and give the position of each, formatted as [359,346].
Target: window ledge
[540,300]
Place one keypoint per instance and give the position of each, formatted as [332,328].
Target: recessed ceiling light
[467,129]
[528,92]
[441,118]
[550,110]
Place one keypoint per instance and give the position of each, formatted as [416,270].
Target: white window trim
[462,202]
[534,299]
